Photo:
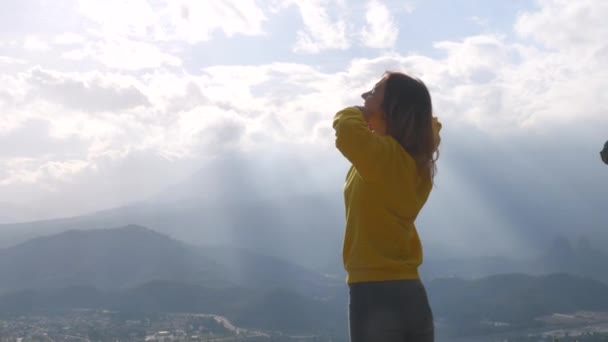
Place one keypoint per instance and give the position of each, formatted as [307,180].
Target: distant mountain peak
[131,232]
[134,228]
[128,229]
[127,256]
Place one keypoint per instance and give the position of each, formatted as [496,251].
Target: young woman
[391,142]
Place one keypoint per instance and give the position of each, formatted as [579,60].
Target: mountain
[516,299]
[235,200]
[253,206]
[302,229]
[126,257]
[478,267]
[579,257]
[113,258]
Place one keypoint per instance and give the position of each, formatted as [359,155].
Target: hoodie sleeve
[362,147]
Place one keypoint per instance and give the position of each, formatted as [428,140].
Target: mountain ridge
[124,257]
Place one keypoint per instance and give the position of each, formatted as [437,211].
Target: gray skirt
[390,311]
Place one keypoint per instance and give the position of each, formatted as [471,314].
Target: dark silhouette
[604,153]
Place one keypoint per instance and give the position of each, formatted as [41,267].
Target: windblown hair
[409,119]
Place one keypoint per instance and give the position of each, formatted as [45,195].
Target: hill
[302,229]
[515,299]
[129,256]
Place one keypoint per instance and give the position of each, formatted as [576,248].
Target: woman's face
[373,100]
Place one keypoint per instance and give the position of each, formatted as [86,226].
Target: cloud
[324,29]
[116,18]
[184,20]
[132,55]
[195,21]
[5,60]
[481,22]
[222,133]
[191,98]
[409,7]
[32,171]
[68,38]
[35,44]
[32,139]
[571,58]
[204,130]
[85,94]
[240,108]
[121,53]
[566,25]
[65,187]
[523,115]
[381,30]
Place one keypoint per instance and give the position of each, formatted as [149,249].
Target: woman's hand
[365,116]
[364,111]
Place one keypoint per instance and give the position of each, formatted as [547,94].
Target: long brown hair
[408,113]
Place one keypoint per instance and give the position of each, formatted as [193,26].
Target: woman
[391,142]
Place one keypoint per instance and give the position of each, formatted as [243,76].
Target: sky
[108,103]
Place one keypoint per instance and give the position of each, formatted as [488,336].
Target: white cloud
[32,138]
[64,169]
[183,20]
[5,60]
[78,54]
[195,21]
[477,59]
[68,38]
[65,187]
[381,30]
[572,60]
[12,92]
[133,103]
[133,55]
[19,170]
[566,25]
[409,7]
[120,17]
[90,92]
[322,30]
[35,44]
[121,53]
[33,171]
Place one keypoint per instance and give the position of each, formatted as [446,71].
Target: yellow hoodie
[383,195]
